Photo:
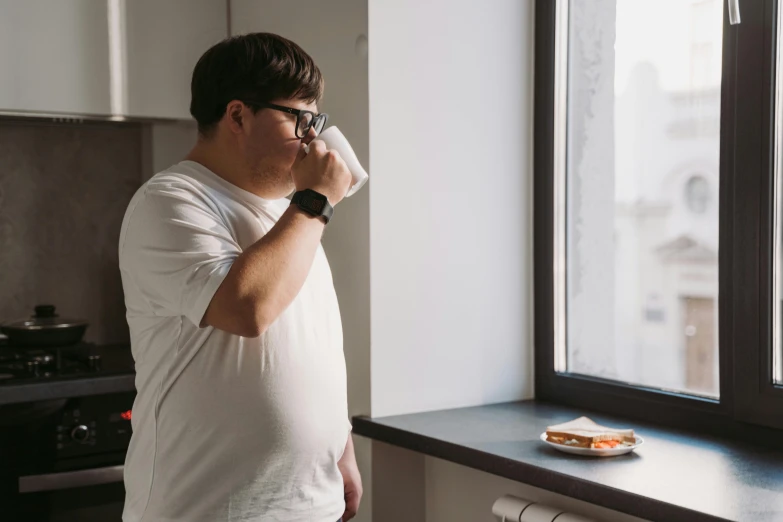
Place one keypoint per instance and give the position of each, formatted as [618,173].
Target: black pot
[45,329]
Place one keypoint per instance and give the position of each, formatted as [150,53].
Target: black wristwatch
[313,203]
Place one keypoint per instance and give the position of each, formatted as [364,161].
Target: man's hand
[352,481]
[323,171]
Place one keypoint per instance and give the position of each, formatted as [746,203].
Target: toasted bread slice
[585,433]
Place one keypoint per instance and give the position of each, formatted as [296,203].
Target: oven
[62,460]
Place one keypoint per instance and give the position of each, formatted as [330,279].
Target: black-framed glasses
[305,120]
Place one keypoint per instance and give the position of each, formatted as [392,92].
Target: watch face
[314,204]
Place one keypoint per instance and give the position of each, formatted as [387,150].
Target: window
[640,113]
[658,228]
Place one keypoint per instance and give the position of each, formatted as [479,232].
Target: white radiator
[509,508]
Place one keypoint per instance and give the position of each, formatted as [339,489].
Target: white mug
[335,140]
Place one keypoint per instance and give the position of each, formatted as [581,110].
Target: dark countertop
[64,389]
[116,375]
[674,476]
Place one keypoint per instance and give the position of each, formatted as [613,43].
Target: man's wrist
[299,212]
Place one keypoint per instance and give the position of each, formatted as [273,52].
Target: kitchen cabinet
[54,56]
[164,42]
[104,58]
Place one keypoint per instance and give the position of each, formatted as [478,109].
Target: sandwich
[584,433]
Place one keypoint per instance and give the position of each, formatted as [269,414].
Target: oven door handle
[70,479]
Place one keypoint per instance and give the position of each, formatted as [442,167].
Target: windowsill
[673,476]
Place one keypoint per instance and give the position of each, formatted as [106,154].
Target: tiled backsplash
[64,189]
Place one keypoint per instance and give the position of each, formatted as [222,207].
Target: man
[241,412]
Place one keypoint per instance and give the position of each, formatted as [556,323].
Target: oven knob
[32,368]
[94,362]
[80,434]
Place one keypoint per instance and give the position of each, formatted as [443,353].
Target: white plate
[595,452]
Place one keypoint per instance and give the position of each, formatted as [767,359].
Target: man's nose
[311,134]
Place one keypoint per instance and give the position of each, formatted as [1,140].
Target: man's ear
[234,112]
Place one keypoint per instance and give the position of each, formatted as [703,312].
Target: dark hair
[255,66]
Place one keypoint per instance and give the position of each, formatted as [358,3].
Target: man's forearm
[265,278]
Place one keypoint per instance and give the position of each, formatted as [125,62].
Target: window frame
[750,407]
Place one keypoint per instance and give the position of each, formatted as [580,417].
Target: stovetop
[20,365]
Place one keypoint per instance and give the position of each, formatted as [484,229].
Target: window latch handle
[734,12]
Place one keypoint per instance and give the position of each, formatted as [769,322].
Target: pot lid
[44,318]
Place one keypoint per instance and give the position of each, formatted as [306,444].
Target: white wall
[451,116]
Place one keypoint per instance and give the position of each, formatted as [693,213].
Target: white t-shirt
[226,428]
